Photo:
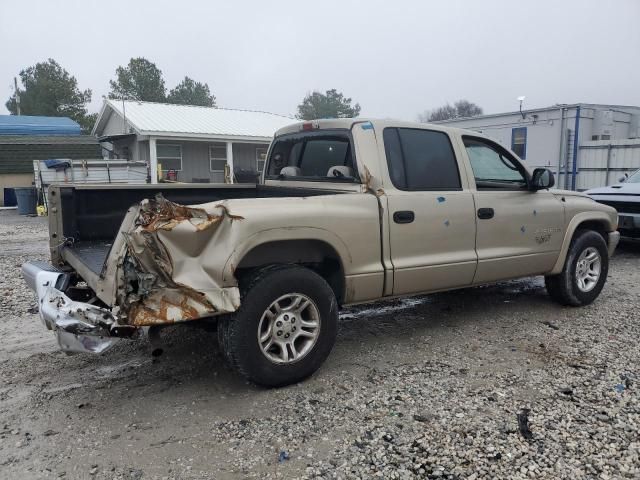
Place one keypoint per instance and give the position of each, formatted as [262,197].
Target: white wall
[604,162]
[114,125]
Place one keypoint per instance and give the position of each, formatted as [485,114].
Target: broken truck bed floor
[91,254]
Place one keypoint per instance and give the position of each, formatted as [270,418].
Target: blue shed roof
[35,125]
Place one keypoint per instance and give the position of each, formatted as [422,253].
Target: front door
[431,216]
[519,232]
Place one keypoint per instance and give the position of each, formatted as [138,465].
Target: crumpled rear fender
[175,263]
[157,263]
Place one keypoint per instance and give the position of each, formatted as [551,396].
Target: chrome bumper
[614,239]
[78,326]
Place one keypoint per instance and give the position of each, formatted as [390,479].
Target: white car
[625,198]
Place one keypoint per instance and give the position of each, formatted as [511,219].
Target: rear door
[519,232]
[431,212]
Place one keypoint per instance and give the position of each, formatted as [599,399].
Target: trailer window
[519,141]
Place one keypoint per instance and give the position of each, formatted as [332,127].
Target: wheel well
[596,226]
[313,254]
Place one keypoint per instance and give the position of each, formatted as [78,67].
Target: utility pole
[15,84]
[124,117]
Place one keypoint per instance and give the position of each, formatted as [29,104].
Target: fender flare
[284,234]
[574,224]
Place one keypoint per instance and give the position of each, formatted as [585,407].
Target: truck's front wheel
[584,273]
[285,328]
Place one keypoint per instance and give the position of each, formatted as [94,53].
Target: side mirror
[541,179]
[623,178]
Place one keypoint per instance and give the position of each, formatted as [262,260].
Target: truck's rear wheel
[585,271]
[285,328]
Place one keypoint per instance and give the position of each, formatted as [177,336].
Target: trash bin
[245,176]
[9,197]
[27,198]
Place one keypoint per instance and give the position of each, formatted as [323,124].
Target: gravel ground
[493,382]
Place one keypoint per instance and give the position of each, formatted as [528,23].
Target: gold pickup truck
[347,211]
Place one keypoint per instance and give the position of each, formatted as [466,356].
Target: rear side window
[421,159]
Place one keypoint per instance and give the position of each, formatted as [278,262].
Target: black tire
[238,333]
[563,288]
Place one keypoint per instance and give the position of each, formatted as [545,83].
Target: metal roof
[36,125]
[557,106]
[48,140]
[162,119]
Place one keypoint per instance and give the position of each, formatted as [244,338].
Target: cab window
[326,156]
[493,167]
[421,159]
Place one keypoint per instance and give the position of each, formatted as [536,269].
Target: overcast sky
[396,58]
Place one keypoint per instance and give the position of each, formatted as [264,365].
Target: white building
[606,146]
[189,143]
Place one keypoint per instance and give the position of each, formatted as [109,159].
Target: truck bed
[89,217]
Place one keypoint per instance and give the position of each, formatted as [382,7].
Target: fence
[89,171]
[603,162]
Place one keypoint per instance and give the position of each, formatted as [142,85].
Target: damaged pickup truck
[347,211]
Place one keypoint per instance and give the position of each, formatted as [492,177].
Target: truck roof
[347,123]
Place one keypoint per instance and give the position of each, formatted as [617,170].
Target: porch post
[230,160]
[153,160]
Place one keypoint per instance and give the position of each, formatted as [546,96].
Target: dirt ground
[426,387]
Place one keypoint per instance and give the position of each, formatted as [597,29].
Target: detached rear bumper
[78,326]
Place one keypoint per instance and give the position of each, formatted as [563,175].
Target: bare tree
[466,108]
[460,109]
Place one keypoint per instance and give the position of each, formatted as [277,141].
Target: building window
[218,157]
[261,157]
[169,156]
[519,142]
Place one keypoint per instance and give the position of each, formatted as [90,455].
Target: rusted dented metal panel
[161,214]
[168,306]
[161,277]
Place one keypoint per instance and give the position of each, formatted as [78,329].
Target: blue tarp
[32,125]
[57,164]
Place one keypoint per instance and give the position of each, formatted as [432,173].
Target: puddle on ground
[63,388]
[382,309]
[117,369]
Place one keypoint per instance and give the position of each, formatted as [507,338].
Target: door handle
[485,213]
[403,216]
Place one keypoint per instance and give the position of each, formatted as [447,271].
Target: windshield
[325,156]
[635,178]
